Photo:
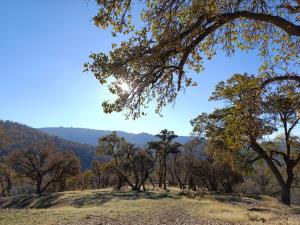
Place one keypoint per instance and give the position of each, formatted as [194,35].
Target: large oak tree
[43,164]
[176,36]
[248,119]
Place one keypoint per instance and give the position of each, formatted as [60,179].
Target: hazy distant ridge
[91,136]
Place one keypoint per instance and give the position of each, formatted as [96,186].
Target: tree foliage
[163,148]
[176,36]
[44,165]
[250,116]
[131,164]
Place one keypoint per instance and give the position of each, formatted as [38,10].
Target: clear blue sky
[43,45]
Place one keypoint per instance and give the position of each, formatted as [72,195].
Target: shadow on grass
[96,198]
[296,210]
[101,198]
[31,201]
[235,199]
[229,198]
[47,200]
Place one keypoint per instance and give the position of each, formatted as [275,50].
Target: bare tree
[44,164]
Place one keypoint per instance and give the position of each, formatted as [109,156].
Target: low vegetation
[108,206]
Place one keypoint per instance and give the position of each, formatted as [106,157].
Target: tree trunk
[151,181]
[39,186]
[213,186]
[285,186]
[120,183]
[99,181]
[136,188]
[164,175]
[160,174]
[192,185]
[286,195]
[227,187]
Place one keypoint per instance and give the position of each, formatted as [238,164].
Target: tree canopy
[248,119]
[177,35]
[132,164]
[163,148]
[44,164]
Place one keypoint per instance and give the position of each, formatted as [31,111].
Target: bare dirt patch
[171,216]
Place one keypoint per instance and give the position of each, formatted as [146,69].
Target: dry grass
[69,207]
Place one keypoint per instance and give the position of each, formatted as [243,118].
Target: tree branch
[285,25]
[293,77]
[283,155]
[259,150]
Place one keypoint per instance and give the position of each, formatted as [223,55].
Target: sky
[43,46]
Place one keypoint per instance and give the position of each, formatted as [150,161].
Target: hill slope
[90,136]
[21,136]
[95,207]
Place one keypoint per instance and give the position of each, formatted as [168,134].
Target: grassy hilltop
[106,206]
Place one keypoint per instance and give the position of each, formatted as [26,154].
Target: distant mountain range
[90,136]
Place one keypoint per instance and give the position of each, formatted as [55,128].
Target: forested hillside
[21,136]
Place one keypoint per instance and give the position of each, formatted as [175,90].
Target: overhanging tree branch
[292,77]
[285,25]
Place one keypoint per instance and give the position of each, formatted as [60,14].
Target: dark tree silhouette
[44,164]
[163,148]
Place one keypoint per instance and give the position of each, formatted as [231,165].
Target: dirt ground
[173,216]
